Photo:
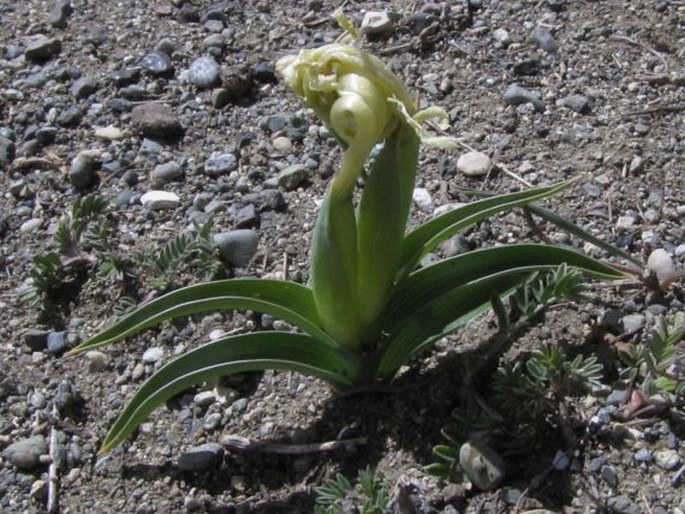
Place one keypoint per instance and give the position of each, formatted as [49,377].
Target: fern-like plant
[370,495]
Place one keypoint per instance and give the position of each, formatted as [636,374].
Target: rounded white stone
[474,164]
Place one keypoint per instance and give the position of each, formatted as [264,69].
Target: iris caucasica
[355,252]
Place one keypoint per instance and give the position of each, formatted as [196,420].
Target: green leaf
[287,300]
[447,452]
[247,352]
[443,315]
[382,219]
[429,283]
[426,237]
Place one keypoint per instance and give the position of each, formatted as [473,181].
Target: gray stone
[578,103]
[204,72]
[59,13]
[624,505]
[484,467]
[220,163]
[57,342]
[422,198]
[237,247]
[82,171]
[212,421]
[156,120]
[543,39]
[609,475]
[43,49]
[221,97]
[661,264]
[153,355]
[159,200]
[166,172]
[25,453]
[633,322]
[502,37]
[157,63]
[377,23]
[643,455]
[71,116]
[291,177]
[46,135]
[667,459]
[97,361]
[36,340]
[84,87]
[517,95]
[637,165]
[474,164]
[7,152]
[201,458]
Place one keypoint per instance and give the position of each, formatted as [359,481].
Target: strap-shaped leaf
[428,283]
[426,237]
[247,352]
[286,300]
[445,314]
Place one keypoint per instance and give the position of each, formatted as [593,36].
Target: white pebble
[157,200]
[661,263]
[422,199]
[474,164]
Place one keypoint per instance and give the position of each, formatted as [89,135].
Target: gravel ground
[171,112]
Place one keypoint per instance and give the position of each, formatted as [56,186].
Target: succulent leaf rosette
[370,305]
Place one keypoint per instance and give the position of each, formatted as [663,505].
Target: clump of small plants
[370,494]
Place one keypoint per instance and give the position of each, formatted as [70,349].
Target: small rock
[156,120]
[25,453]
[43,49]
[59,13]
[282,144]
[643,455]
[46,135]
[157,63]
[377,23]
[166,172]
[204,398]
[609,475]
[291,177]
[637,165]
[474,164]
[543,39]
[624,505]
[641,129]
[109,133]
[237,81]
[36,340]
[220,163]
[625,222]
[30,225]
[265,72]
[556,5]
[39,490]
[7,152]
[84,87]
[661,264]
[97,360]
[158,200]
[633,322]
[204,72]
[82,171]
[220,97]
[237,247]
[212,421]
[502,37]
[667,459]
[484,467]
[153,355]
[71,116]
[422,198]
[57,342]
[577,103]
[517,95]
[201,458]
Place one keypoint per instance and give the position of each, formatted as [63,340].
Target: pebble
[667,459]
[543,39]
[84,87]
[36,340]
[153,355]
[637,165]
[204,72]
[624,505]
[212,421]
[25,453]
[422,198]
[156,120]
[609,475]
[158,200]
[502,37]
[577,103]
[46,135]
[237,247]
[625,222]
[43,49]
[166,172]
[57,342]
[556,5]
[220,163]
[30,225]
[97,361]
[633,322]
[377,23]
[7,151]
[82,171]
[474,164]
[282,144]
[108,133]
[518,95]
[201,458]
[291,177]
[484,467]
[57,17]
[661,264]
[204,398]
[265,72]
[643,455]
[157,63]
